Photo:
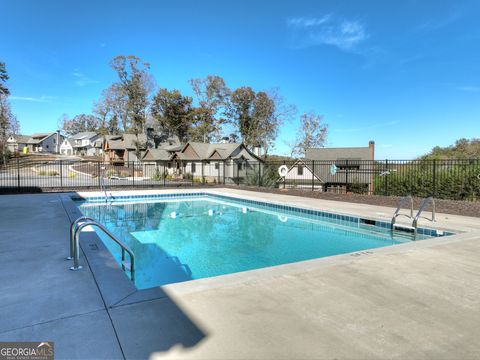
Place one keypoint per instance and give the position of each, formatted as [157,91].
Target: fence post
[98,172]
[61,173]
[133,173]
[164,174]
[259,174]
[313,175]
[18,174]
[346,176]
[386,177]
[224,165]
[434,180]
[203,173]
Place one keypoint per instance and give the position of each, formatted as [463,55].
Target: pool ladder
[76,228]
[103,188]
[425,202]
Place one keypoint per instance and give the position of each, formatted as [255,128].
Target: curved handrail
[73,226]
[424,204]
[125,248]
[400,204]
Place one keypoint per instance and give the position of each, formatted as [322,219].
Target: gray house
[333,170]
[45,142]
[79,144]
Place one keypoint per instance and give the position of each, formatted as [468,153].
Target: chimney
[371,145]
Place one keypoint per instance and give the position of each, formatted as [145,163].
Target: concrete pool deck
[416,300]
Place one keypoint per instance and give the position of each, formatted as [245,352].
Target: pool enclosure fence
[446,179]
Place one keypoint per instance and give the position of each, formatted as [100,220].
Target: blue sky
[403,73]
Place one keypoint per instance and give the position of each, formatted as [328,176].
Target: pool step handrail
[130,266]
[103,188]
[401,203]
[423,206]
[73,228]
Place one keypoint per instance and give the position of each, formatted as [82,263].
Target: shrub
[124,174]
[157,175]
[110,173]
[265,179]
[72,175]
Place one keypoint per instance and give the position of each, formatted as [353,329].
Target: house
[121,149]
[333,170]
[202,161]
[80,144]
[66,147]
[16,143]
[45,142]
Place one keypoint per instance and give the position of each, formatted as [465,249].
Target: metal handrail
[103,187]
[424,204]
[73,227]
[76,247]
[400,204]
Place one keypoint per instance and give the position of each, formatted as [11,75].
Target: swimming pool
[181,237]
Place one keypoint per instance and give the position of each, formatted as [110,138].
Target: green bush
[110,173]
[72,175]
[157,175]
[124,174]
[266,178]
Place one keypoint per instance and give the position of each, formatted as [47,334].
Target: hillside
[462,149]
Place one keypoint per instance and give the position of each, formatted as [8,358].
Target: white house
[66,148]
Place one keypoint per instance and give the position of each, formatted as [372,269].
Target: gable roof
[157,154]
[39,137]
[22,139]
[68,141]
[205,151]
[84,135]
[350,153]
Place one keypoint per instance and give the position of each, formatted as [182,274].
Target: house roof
[346,153]
[84,135]
[205,151]
[157,154]
[125,141]
[39,137]
[22,139]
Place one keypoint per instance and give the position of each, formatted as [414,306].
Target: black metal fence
[447,179]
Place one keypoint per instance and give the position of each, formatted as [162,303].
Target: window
[194,168]
[169,165]
[300,170]
[239,166]
[217,166]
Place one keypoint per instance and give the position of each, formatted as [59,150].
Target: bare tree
[312,133]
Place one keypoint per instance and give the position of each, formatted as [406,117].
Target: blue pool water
[212,236]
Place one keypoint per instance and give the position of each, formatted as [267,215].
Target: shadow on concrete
[146,321]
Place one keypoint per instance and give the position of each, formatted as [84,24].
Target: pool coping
[118,290]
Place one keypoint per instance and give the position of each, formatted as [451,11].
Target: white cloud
[327,30]
[42,98]
[82,79]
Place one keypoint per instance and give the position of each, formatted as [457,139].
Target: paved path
[417,301]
